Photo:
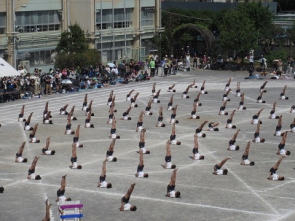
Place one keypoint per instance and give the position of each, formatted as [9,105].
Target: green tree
[72,41]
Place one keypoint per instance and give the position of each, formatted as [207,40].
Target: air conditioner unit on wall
[25,64]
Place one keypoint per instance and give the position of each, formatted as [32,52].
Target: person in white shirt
[18,155]
[281,146]
[257,139]
[148,108]
[194,111]
[279,127]
[272,112]
[110,152]
[125,205]
[27,122]
[245,160]
[173,136]
[168,164]
[218,170]
[84,106]
[31,172]
[282,95]
[32,137]
[126,114]
[140,167]
[45,150]
[21,115]
[255,118]
[241,104]
[230,120]
[160,118]
[114,129]
[170,103]
[231,143]
[102,179]
[87,121]
[171,192]
[196,154]
[47,211]
[61,191]
[139,122]
[227,85]
[273,171]
[74,158]
[292,126]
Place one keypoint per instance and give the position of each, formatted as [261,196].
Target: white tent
[6,69]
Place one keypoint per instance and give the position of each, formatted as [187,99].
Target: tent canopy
[6,69]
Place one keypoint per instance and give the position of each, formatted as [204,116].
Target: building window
[37,21]
[2,22]
[105,19]
[147,16]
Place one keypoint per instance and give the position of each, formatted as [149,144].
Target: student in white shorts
[125,205]
[202,90]
[139,122]
[84,105]
[47,211]
[185,93]
[110,99]
[197,99]
[45,150]
[238,91]
[262,88]
[292,109]
[257,139]
[193,85]
[21,114]
[102,179]
[32,137]
[111,114]
[126,114]
[259,98]
[255,118]
[229,121]
[31,172]
[225,95]
[292,126]
[61,191]
[68,126]
[281,146]
[27,122]
[133,100]
[87,121]
[194,111]
[141,144]
[245,160]
[168,157]
[171,192]
[148,108]
[199,132]
[113,129]
[272,112]
[170,89]
[278,132]
[19,154]
[156,97]
[71,113]
[88,109]
[196,154]
[227,85]
[46,110]
[76,137]
[154,89]
[231,143]
[170,103]
[110,152]
[273,171]
[173,136]
[74,158]
[282,95]
[241,104]
[213,126]
[222,108]
[128,98]
[140,167]
[160,118]
[173,115]
[63,110]
[46,118]
[218,170]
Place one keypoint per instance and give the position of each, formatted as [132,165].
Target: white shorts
[160,124]
[20,159]
[125,117]
[278,133]
[143,150]
[293,110]
[110,121]
[128,98]
[132,104]
[211,128]
[260,101]
[241,107]
[139,128]
[229,125]
[247,162]
[219,172]
[172,194]
[127,206]
[34,140]
[87,125]
[154,93]
[169,107]
[168,165]
[147,113]
[184,95]
[109,103]
[110,158]
[103,184]
[221,112]
[140,174]
[20,119]
[77,144]
[255,121]
[199,134]
[155,100]
[293,130]
[74,166]
[63,112]
[62,198]
[226,89]
[283,97]
[69,132]
[232,147]
[203,92]
[48,152]
[275,176]
[46,122]
[28,127]
[113,136]
[32,176]
[257,140]
[224,98]
[238,94]
[172,121]
[173,142]
[197,156]
[84,108]
[194,116]
[283,152]
[273,116]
